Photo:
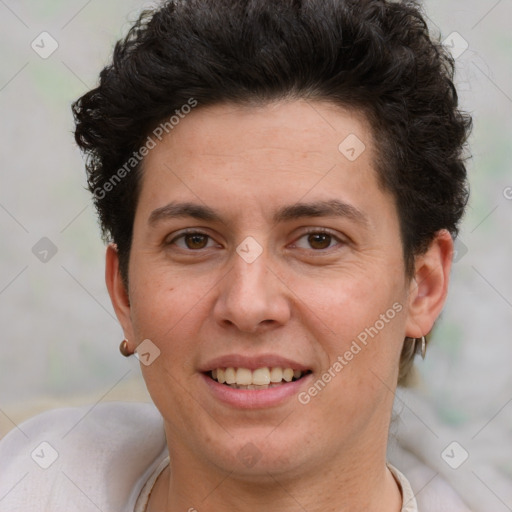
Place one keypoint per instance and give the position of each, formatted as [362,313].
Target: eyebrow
[329,208]
[179,210]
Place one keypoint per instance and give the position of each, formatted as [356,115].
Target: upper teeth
[258,377]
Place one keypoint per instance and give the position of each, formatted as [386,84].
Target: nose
[252,297]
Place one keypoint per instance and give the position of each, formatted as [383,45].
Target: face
[261,243]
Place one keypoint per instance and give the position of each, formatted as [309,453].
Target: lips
[253,363]
[237,372]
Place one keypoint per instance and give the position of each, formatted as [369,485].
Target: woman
[280,184]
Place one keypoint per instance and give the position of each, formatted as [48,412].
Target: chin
[261,452]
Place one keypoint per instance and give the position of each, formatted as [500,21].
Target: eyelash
[309,231]
[322,231]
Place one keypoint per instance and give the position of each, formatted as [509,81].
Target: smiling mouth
[261,378]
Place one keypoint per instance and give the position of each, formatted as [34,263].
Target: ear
[117,291]
[429,286]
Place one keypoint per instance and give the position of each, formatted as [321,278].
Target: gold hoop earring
[124,349]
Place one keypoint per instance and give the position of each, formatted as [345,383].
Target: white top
[408,500]
[107,457]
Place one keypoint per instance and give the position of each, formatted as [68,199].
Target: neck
[351,482]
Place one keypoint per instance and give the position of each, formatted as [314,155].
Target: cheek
[365,324]
[167,309]
[359,326]
[349,304]
[163,299]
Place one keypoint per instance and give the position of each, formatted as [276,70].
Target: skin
[305,297]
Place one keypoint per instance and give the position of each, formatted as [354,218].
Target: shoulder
[85,458]
[432,492]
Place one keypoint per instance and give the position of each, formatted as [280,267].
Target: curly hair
[376,56]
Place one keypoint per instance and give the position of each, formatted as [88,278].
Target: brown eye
[192,241]
[196,241]
[319,240]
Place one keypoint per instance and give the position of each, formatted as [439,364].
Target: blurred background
[60,338]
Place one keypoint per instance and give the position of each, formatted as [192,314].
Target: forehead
[294,142]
